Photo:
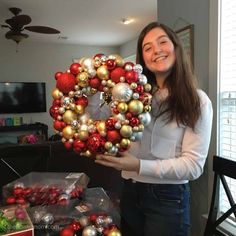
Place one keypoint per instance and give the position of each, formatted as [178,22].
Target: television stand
[39,127]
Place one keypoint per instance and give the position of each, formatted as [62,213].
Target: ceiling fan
[17,23]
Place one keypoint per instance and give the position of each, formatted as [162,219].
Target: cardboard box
[9,213]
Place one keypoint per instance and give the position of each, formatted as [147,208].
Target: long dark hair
[183,103]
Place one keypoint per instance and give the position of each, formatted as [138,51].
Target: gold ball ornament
[56,94]
[125,143]
[101,126]
[79,109]
[122,107]
[114,232]
[147,87]
[68,132]
[68,116]
[136,107]
[103,73]
[83,135]
[108,145]
[126,131]
[82,79]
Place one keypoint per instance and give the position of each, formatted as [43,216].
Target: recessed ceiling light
[126,21]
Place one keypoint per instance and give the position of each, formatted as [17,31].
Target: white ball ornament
[89,231]
[122,92]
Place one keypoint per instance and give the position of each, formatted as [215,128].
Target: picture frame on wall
[186,36]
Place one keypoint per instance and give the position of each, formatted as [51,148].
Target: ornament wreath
[124,89]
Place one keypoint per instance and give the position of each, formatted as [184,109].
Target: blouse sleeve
[195,144]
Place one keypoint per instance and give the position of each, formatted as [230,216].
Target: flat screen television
[22,97]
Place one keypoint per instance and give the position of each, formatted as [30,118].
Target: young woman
[174,147]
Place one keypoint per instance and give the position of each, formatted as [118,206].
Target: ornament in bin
[92,225]
[125,91]
[37,195]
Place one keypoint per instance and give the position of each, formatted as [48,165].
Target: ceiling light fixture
[126,21]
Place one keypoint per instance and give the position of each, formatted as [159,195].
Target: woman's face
[158,52]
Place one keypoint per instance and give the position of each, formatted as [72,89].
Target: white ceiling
[88,22]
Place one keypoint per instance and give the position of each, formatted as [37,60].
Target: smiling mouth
[160,58]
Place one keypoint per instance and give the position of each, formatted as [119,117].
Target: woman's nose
[157,48]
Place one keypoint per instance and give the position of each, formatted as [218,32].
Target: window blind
[227,95]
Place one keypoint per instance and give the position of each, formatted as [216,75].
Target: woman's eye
[147,49]
[163,42]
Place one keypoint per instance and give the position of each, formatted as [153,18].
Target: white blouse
[170,153]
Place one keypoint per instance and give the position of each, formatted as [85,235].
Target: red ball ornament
[131,77]
[128,115]
[95,143]
[66,82]
[83,101]
[75,68]
[98,56]
[100,88]
[57,75]
[68,145]
[59,125]
[18,191]
[139,89]
[146,98]
[129,63]
[111,64]
[113,136]
[68,231]
[110,124]
[75,225]
[56,102]
[78,144]
[117,73]
[54,111]
[134,121]
[11,200]
[20,200]
[95,82]
[93,217]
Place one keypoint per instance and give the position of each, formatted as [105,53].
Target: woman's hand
[127,162]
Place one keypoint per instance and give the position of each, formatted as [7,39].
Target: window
[227,90]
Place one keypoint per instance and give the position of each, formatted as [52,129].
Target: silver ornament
[135,96]
[91,72]
[88,63]
[142,79]
[145,118]
[138,68]
[37,216]
[128,67]
[108,220]
[122,92]
[89,231]
[136,136]
[74,124]
[100,220]
[66,101]
[47,219]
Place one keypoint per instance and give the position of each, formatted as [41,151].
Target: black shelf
[36,127]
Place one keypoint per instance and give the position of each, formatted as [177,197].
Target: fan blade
[15,10]
[18,21]
[42,29]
